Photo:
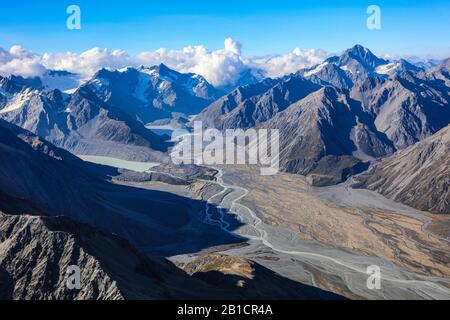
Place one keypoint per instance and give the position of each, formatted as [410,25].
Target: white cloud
[88,62]
[220,67]
[20,62]
[279,65]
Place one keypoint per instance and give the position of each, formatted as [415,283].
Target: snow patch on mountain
[346,68]
[387,68]
[18,100]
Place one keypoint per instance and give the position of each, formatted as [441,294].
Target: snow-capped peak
[315,69]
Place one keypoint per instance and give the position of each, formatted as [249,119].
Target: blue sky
[263,27]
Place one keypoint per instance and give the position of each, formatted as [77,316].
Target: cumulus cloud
[220,67]
[20,62]
[278,65]
[88,62]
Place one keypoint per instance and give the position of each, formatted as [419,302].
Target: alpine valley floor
[326,237]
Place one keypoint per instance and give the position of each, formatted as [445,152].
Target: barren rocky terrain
[328,236]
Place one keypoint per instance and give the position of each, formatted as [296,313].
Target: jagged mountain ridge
[440,73]
[399,105]
[150,93]
[107,115]
[343,71]
[82,123]
[405,107]
[35,252]
[354,65]
[326,136]
[250,105]
[418,176]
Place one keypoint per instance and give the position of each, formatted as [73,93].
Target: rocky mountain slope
[106,115]
[57,211]
[249,279]
[335,116]
[250,105]
[343,71]
[150,93]
[34,170]
[52,181]
[418,176]
[82,123]
[390,106]
[404,107]
[440,73]
[36,252]
[323,137]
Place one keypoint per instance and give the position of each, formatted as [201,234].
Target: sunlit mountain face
[224,172]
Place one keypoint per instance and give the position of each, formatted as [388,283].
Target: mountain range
[337,116]
[383,124]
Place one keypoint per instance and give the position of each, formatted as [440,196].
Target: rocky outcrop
[323,137]
[36,253]
[250,105]
[150,93]
[404,107]
[249,279]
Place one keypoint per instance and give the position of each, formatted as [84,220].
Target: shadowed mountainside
[250,279]
[56,213]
